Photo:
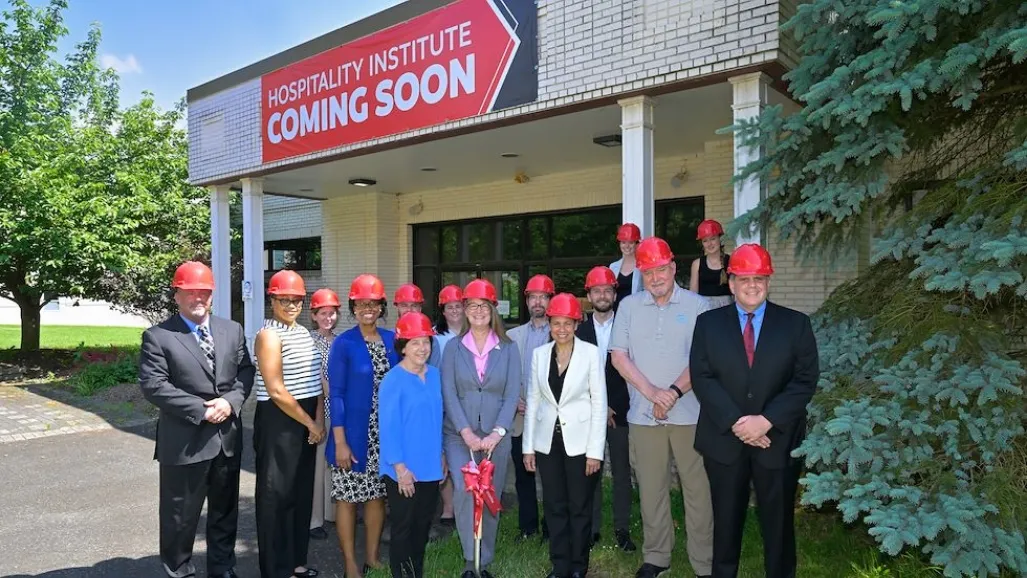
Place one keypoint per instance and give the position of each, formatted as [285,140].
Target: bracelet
[677,391]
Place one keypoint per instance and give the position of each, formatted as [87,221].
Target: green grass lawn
[826,549]
[69,336]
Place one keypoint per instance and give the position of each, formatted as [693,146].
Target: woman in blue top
[412,464]
[357,363]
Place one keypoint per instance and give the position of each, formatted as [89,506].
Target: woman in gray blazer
[481,385]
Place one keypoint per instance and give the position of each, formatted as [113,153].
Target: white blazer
[582,406]
[636,279]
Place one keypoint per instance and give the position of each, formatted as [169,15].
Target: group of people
[375,417]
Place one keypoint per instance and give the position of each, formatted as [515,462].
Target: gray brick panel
[588,49]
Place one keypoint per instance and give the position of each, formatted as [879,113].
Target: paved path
[26,414]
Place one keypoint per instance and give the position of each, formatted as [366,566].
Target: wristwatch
[676,390]
[500,430]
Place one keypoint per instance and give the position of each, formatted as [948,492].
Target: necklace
[561,364]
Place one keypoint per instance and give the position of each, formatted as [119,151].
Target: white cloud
[127,65]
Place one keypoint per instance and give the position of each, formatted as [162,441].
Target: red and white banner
[445,65]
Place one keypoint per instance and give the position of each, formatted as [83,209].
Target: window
[296,254]
[564,245]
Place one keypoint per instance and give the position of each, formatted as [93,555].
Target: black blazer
[174,376]
[616,388]
[779,385]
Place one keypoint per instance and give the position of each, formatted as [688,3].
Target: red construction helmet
[708,228]
[193,275]
[412,325]
[449,294]
[540,284]
[366,286]
[324,298]
[564,305]
[629,232]
[481,289]
[653,252]
[750,259]
[600,276]
[286,282]
[408,293]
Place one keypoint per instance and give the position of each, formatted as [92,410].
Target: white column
[637,163]
[220,250]
[750,98]
[253,256]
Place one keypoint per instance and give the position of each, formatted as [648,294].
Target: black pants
[775,499]
[567,495]
[285,488]
[620,469]
[527,496]
[410,520]
[182,492]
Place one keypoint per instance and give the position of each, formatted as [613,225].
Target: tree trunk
[29,327]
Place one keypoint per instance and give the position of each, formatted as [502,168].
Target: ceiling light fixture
[429,169]
[509,155]
[609,141]
[363,182]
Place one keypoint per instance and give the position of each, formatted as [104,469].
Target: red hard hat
[408,293]
[750,259]
[412,325]
[629,232]
[366,286]
[481,289]
[449,294]
[564,305]
[193,275]
[708,228]
[653,252]
[600,276]
[286,282]
[540,284]
[324,298]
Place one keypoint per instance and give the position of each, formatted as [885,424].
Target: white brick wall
[370,232]
[291,218]
[588,49]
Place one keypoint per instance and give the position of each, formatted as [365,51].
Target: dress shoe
[308,573]
[486,574]
[225,574]
[468,574]
[318,533]
[648,570]
[624,541]
[578,574]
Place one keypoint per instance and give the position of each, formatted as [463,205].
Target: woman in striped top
[288,425]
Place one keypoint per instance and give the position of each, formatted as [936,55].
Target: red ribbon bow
[478,480]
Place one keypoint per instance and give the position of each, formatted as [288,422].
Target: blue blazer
[351,390]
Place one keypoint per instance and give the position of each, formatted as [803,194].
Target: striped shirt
[301,362]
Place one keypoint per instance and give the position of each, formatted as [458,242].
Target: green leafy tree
[88,192]
[913,132]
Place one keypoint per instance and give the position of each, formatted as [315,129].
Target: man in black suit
[196,368]
[755,368]
[601,285]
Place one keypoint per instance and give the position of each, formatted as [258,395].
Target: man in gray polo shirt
[651,342]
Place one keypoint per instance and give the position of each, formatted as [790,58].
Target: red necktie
[749,338]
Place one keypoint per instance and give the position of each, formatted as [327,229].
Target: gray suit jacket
[174,376]
[481,405]
[519,335]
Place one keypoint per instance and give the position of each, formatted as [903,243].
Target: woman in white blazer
[629,279]
[565,435]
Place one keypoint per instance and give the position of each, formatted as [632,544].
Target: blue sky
[168,47]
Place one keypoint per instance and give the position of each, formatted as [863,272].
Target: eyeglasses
[474,307]
[367,306]
[290,302]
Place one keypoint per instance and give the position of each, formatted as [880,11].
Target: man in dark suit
[197,370]
[601,287]
[755,368]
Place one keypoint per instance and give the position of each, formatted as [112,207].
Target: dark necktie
[207,346]
[749,338]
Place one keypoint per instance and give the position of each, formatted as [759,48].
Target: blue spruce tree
[913,132]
